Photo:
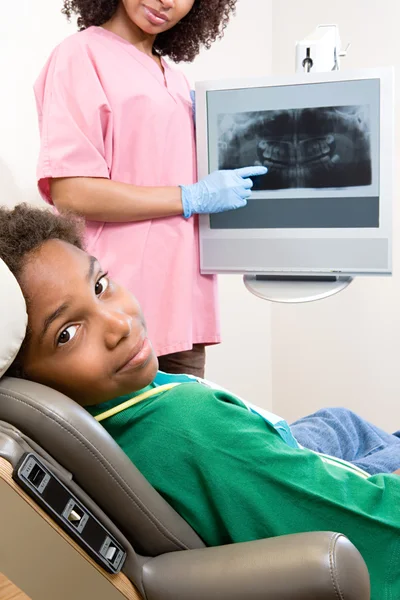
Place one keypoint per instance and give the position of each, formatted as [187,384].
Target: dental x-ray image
[323,147]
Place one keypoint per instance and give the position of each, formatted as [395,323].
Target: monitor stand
[291,289]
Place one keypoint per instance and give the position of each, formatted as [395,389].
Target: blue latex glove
[220,191]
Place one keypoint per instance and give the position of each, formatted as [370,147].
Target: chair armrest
[306,566]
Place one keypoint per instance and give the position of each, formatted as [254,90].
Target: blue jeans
[341,433]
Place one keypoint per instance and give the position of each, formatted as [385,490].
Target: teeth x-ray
[323,147]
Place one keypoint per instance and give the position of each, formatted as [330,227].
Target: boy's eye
[101,285]
[67,335]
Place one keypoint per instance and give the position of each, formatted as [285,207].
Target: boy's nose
[118,326]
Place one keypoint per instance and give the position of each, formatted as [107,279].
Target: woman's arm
[99,199]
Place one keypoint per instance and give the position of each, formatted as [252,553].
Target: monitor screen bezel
[386,167]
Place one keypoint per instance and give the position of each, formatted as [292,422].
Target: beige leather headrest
[13,318]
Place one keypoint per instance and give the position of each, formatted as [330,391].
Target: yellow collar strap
[135,400]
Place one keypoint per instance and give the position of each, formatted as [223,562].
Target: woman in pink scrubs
[118,148]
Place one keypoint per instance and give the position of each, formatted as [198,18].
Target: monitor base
[295,289]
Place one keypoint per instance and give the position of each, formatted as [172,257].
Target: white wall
[344,350]
[29,30]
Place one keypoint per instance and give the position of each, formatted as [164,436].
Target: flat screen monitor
[325,205]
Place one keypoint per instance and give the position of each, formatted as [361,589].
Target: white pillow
[13,318]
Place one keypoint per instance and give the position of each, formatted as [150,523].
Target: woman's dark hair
[23,230]
[201,27]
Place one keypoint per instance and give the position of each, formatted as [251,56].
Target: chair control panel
[69,512]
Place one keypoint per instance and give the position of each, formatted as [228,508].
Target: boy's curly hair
[201,27]
[23,230]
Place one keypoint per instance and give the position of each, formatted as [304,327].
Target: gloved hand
[219,191]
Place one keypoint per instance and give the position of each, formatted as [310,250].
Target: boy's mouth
[138,356]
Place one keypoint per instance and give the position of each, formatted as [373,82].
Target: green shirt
[233,478]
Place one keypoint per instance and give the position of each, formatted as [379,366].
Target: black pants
[190,362]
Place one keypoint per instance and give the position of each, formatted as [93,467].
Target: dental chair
[79,522]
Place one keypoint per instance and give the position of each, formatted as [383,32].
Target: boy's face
[87,335]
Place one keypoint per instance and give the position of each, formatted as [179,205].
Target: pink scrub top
[107,110]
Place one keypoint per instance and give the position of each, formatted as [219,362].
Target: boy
[231,472]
